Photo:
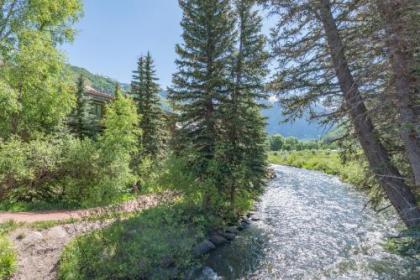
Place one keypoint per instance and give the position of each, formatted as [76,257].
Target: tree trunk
[388,176]
[401,58]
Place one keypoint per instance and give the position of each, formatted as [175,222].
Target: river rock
[250,214]
[243,225]
[209,273]
[271,174]
[229,236]
[232,229]
[203,248]
[217,239]
[245,221]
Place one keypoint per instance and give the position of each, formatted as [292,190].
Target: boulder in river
[203,248]
[217,239]
[243,225]
[250,214]
[245,220]
[232,229]
[229,236]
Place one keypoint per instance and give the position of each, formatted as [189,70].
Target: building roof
[95,93]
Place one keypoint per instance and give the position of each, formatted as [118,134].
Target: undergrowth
[154,244]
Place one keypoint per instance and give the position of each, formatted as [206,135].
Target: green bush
[63,170]
[28,169]
[155,244]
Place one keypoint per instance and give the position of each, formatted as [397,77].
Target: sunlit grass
[327,161]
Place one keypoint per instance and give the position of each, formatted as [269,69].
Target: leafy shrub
[28,170]
[175,176]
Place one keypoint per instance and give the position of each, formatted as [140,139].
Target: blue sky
[114,33]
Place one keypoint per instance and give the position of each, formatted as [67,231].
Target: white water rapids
[312,226]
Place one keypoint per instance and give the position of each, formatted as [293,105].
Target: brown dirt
[39,251]
[31,217]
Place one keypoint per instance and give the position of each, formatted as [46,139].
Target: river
[312,226]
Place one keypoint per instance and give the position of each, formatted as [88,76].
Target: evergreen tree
[137,84]
[146,90]
[245,127]
[83,117]
[202,82]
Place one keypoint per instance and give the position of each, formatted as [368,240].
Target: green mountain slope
[99,82]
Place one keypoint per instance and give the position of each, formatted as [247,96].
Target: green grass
[137,247]
[322,160]
[19,206]
[7,254]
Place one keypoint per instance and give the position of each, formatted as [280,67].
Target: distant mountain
[301,128]
[99,82]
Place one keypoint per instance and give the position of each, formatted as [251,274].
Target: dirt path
[39,251]
[31,217]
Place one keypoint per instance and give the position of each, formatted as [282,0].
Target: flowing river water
[312,226]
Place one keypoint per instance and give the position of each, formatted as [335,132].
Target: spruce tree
[146,91]
[83,118]
[137,84]
[244,125]
[202,82]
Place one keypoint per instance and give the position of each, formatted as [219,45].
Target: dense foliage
[41,159]
[60,167]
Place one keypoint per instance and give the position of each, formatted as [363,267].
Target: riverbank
[326,161]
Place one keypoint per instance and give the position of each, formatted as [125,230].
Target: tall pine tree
[245,127]
[202,82]
[146,91]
